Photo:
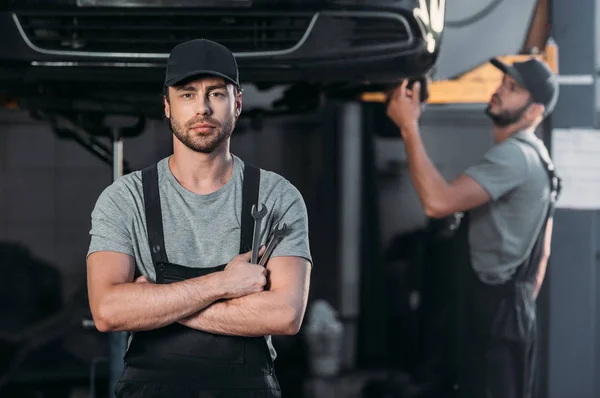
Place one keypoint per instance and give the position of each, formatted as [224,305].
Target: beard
[203,143]
[505,117]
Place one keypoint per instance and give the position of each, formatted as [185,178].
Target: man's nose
[203,106]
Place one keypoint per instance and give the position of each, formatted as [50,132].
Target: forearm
[539,280]
[147,306]
[428,182]
[545,257]
[259,314]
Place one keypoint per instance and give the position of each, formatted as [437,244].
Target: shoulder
[124,187]
[122,194]
[272,183]
[532,150]
[278,191]
[509,154]
[510,147]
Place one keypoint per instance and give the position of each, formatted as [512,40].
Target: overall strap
[555,180]
[154,224]
[555,190]
[250,188]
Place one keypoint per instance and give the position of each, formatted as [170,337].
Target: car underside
[108,56]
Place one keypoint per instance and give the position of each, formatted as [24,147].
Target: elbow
[436,210]
[292,321]
[103,318]
[102,323]
[103,326]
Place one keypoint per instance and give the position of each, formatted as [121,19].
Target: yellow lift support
[475,86]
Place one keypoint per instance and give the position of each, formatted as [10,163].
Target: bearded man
[170,252]
[507,200]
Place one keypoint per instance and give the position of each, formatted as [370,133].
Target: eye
[218,94]
[187,95]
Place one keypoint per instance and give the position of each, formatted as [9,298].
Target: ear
[167,107]
[536,111]
[238,105]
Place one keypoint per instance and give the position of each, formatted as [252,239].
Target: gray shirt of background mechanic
[502,232]
[200,230]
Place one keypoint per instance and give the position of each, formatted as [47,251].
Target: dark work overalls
[177,361]
[497,323]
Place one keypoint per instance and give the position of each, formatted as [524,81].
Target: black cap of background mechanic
[200,57]
[536,77]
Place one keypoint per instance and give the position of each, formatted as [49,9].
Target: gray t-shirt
[199,230]
[503,231]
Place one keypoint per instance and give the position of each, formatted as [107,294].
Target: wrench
[276,237]
[258,216]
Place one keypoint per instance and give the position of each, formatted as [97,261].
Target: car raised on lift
[109,55]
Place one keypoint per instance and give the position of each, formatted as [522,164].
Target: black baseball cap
[536,77]
[201,57]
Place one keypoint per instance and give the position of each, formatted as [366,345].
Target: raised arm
[503,167]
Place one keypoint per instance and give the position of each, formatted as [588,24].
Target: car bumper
[325,47]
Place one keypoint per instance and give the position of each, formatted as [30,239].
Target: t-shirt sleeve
[503,168]
[293,213]
[109,230]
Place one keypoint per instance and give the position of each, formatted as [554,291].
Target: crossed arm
[279,310]
[119,304]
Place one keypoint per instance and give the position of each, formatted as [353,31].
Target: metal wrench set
[276,236]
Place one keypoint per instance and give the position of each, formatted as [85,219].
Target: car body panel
[477,30]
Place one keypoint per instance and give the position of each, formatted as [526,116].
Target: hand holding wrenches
[258,215]
[276,237]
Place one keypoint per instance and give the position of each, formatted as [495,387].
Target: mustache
[203,121]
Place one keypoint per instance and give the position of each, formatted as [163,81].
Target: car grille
[375,31]
[151,31]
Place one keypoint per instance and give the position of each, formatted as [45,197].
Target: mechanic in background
[507,200]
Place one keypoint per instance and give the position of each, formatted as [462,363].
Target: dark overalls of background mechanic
[201,311]
[507,199]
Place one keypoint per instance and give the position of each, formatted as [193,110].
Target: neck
[201,173]
[502,133]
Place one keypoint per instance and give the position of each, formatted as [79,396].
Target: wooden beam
[475,86]
[539,29]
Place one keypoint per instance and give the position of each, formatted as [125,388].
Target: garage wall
[49,186]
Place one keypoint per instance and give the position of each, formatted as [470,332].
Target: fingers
[416,87]
[402,93]
[248,255]
[142,279]
[404,86]
[399,92]
[416,91]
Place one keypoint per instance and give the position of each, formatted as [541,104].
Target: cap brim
[509,70]
[178,79]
